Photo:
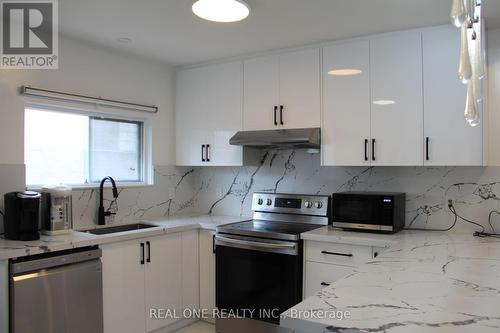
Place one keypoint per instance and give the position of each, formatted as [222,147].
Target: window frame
[146,165]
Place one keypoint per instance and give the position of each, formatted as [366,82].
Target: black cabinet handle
[142,253]
[427,148]
[325,284]
[148,244]
[213,243]
[281,115]
[337,254]
[373,149]
[366,149]
[208,153]
[275,120]
[203,153]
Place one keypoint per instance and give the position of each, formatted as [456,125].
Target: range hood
[308,138]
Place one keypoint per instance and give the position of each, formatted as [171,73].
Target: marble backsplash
[170,195]
[228,190]
[475,190]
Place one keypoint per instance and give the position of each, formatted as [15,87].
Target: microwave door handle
[255,244]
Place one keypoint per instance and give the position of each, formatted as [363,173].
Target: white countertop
[424,282]
[333,235]
[14,249]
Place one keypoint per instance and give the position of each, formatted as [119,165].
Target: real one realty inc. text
[189,313]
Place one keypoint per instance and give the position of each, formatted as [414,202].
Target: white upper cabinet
[300,93]
[191,100]
[396,96]
[261,93]
[448,139]
[224,112]
[208,114]
[282,91]
[346,104]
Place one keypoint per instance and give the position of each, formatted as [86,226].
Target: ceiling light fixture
[345,72]
[468,16]
[221,10]
[124,40]
[384,102]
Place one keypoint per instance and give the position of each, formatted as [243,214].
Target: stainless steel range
[259,262]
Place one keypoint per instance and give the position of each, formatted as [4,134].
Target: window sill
[96,186]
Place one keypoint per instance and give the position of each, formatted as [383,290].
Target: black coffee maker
[22,215]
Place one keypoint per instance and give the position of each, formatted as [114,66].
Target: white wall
[87,70]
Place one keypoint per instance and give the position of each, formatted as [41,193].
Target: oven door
[257,278]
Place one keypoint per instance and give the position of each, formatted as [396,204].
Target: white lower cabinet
[163,278]
[141,276]
[207,271]
[319,276]
[327,262]
[123,288]
[190,270]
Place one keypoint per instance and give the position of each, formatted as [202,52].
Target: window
[78,149]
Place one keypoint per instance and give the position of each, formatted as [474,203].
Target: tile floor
[198,327]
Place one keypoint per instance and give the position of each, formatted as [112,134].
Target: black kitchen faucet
[101,219]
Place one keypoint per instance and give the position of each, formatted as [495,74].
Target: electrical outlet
[450,202]
[171,193]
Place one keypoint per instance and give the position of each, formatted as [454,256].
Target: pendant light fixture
[470,9]
[465,67]
[468,16]
[458,14]
[479,64]
[471,114]
[221,10]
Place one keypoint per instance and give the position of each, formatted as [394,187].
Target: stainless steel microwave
[371,211]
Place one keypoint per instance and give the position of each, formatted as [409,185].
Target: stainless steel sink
[119,228]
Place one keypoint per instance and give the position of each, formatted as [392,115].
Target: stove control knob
[269,202]
[260,201]
[308,204]
[318,204]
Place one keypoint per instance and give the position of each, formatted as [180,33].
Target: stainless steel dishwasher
[60,292]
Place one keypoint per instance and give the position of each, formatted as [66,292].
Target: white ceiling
[166,30]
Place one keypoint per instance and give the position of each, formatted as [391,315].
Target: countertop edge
[16,249]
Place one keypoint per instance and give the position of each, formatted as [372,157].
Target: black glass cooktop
[268,229]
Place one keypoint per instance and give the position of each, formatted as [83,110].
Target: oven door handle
[273,246]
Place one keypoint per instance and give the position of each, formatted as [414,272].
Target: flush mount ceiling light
[221,10]
[384,102]
[345,72]
[124,40]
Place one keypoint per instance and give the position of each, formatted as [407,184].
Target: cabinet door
[207,270]
[224,112]
[300,93]
[190,116]
[261,92]
[346,104]
[397,110]
[123,288]
[163,278]
[190,270]
[451,141]
[319,276]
